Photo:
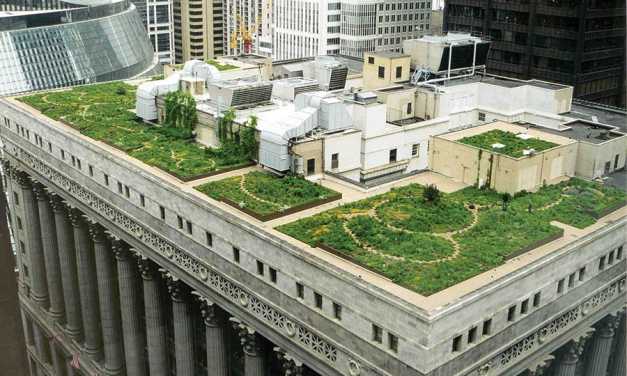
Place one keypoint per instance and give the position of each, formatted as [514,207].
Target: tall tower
[198,29]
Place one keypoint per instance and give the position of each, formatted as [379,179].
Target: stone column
[289,365]
[253,349]
[88,286]
[600,348]
[67,260]
[51,254]
[128,284]
[155,325]
[183,327]
[57,359]
[217,363]
[567,364]
[41,344]
[39,287]
[109,302]
[618,366]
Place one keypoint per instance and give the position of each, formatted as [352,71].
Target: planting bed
[101,112]
[514,146]
[268,196]
[428,247]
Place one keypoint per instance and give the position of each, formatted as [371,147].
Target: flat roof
[504,82]
[582,130]
[507,127]
[388,54]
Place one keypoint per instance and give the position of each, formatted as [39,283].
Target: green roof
[429,246]
[104,112]
[513,145]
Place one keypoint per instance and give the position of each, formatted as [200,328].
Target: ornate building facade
[125,270]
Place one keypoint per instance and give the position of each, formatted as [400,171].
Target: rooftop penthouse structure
[144,251]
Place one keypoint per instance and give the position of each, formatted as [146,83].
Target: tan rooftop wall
[371,79]
[472,165]
[400,104]
[593,160]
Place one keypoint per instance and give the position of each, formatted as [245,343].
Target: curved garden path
[242,186]
[445,235]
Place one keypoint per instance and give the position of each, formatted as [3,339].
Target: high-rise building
[45,47]
[579,43]
[198,29]
[157,18]
[243,23]
[144,252]
[304,28]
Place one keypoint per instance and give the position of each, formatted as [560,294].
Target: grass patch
[267,194]
[514,146]
[221,66]
[101,112]
[405,226]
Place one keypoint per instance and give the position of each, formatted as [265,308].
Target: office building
[577,43]
[141,252]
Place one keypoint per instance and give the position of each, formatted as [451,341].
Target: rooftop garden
[104,112]
[268,196]
[513,145]
[427,241]
[221,66]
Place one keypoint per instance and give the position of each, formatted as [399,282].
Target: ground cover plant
[101,112]
[221,66]
[264,193]
[514,146]
[428,246]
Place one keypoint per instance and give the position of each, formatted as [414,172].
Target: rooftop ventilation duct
[240,93]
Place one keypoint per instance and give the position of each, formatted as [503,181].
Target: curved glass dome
[43,50]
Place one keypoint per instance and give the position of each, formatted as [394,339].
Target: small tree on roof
[431,194]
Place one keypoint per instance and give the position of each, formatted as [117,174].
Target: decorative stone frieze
[303,336]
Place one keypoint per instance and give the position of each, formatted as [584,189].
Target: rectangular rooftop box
[432,52]
[240,93]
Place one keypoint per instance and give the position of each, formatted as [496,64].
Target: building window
[335,160]
[457,343]
[91,170]
[260,268]
[571,280]
[370,60]
[602,263]
[236,255]
[377,333]
[472,334]
[19,223]
[381,72]
[127,191]
[78,164]
[50,147]
[610,258]
[180,221]
[399,72]
[524,307]
[300,290]
[481,116]
[582,273]
[16,199]
[62,154]
[189,227]
[119,188]
[392,155]
[208,239]
[409,108]
[142,200]
[393,342]
[415,150]
[487,327]
[560,286]
[318,300]
[337,311]
[619,253]
[272,273]
[511,313]
[106,179]
[22,247]
[162,212]
[536,299]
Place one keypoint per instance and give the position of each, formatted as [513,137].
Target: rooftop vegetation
[514,145]
[221,66]
[102,112]
[266,194]
[427,242]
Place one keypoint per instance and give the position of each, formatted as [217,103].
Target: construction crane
[243,34]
